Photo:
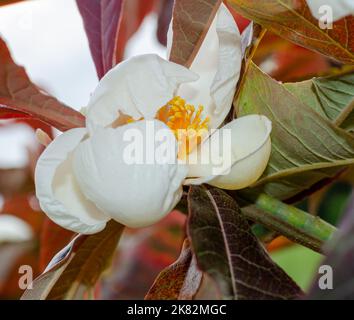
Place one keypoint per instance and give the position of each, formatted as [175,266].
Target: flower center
[186,123]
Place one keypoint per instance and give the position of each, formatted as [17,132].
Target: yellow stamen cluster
[186,123]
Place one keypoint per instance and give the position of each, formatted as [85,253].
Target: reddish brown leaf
[269,44]
[75,270]
[134,12]
[296,64]
[17,180]
[191,21]
[293,20]
[241,21]
[180,280]
[101,21]
[25,207]
[36,124]
[53,238]
[6,2]
[18,93]
[6,113]
[146,252]
[163,246]
[288,61]
[13,256]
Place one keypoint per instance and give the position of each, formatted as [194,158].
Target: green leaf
[229,253]
[293,20]
[75,270]
[331,97]
[306,148]
[300,263]
[179,281]
[334,201]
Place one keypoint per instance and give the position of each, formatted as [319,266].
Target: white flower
[340,8]
[83,179]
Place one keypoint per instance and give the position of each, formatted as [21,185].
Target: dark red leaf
[228,251]
[241,21]
[101,20]
[18,93]
[297,63]
[179,281]
[6,113]
[165,15]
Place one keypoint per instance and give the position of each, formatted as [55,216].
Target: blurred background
[47,37]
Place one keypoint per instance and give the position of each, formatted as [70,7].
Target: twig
[295,224]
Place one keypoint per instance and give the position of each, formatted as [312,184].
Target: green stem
[344,114]
[264,234]
[295,224]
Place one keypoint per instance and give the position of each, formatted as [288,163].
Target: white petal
[242,162]
[218,64]
[246,38]
[340,8]
[13,229]
[169,39]
[57,190]
[137,87]
[134,194]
